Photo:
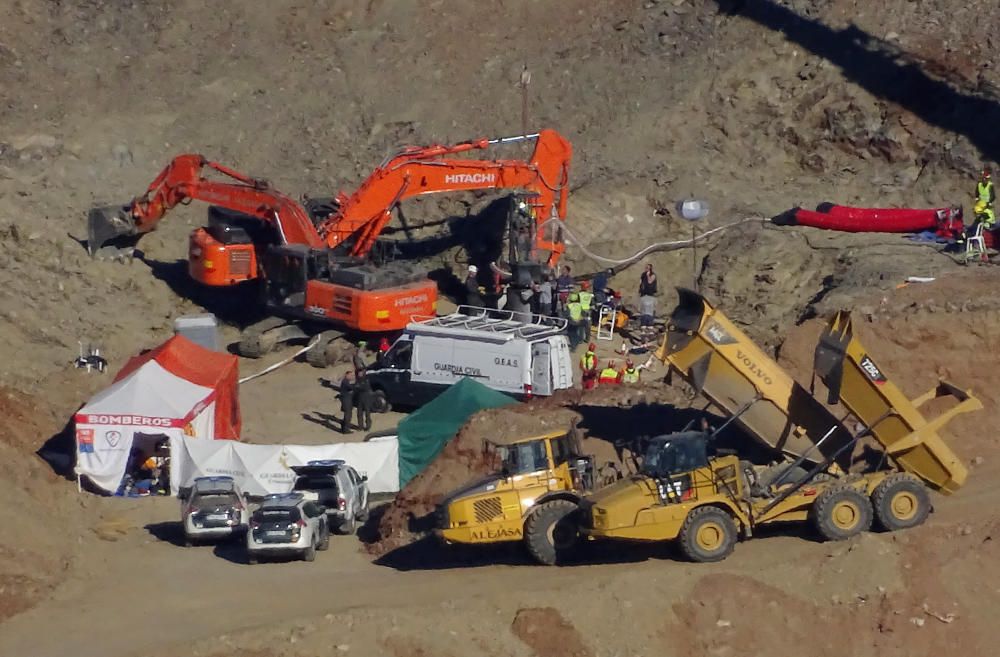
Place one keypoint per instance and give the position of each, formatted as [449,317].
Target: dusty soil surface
[756,106]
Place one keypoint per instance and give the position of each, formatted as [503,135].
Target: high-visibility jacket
[586,301]
[988,217]
[630,375]
[984,192]
[589,361]
[608,375]
[575,311]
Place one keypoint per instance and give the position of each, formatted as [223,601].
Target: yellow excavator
[532,496]
[837,478]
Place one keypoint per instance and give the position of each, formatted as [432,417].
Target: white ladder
[606,327]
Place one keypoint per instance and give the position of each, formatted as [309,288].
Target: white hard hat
[473,269]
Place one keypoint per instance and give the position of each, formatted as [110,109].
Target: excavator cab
[289,268]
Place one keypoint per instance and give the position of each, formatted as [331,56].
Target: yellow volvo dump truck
[532,497]
[706,499]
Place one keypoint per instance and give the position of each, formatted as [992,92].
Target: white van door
[562,362]
[541,371]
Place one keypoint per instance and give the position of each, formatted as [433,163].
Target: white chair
[975,244]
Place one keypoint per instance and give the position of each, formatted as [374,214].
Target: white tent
[150,403]
[264,469]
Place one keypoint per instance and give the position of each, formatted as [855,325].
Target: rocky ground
[754,105]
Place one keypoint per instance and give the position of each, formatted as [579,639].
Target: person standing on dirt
[588,364]
[544,295]
[647,283]
[574,313]
[359,358]
[346,395]
[473,293]
[586,304]
[564,285]
[364,397]
[601,281]
[984,189]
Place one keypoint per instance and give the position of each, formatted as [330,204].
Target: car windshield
[315,483]
[276,515]
[211,500]
[675,455]
[523,458]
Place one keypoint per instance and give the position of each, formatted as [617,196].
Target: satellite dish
[692,210]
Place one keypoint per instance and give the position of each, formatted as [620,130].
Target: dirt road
[144,593]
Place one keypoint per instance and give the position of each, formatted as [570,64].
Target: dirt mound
[32,557]
[462,460]
[548,634]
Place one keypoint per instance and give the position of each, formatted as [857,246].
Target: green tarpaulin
[424,433]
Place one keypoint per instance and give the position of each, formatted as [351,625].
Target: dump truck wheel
[900,502]
[708,534]
[841,512]
[551,532]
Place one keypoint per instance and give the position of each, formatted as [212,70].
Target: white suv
[339,488]
[287,524]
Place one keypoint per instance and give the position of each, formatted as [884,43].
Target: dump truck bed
[851,376]
[712,354]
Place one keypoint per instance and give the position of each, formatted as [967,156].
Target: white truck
[521,354]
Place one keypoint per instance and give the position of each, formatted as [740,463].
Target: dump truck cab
[680,472]
[539,481]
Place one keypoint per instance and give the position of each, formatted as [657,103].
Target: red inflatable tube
[878,214]
[872,221]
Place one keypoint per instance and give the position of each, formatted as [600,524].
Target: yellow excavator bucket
[853,378]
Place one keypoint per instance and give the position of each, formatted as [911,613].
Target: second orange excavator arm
[182,181]
[363,215]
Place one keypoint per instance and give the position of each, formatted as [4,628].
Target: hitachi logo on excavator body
[470,178]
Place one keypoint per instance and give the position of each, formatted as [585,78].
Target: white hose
[652,247]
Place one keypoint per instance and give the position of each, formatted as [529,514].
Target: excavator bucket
[110,231]
[853,378]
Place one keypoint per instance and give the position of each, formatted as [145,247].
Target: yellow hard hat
[980,207]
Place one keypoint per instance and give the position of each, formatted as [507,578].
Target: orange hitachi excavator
[315,260]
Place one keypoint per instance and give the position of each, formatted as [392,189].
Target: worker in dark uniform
[358,360]
[473,293]
[363,398]
[346,395]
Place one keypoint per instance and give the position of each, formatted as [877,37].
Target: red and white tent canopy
[179,388]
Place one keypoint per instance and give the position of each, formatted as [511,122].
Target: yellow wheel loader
[533,497]
[838,479]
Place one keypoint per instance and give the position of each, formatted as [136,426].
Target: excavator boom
[182,181]
[417,171]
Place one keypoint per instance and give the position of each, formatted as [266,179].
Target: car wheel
[253,560]
[325,543]
[188,541]
[349,526]
[310,552]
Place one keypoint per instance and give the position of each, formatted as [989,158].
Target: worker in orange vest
[609,375]
[589,366]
